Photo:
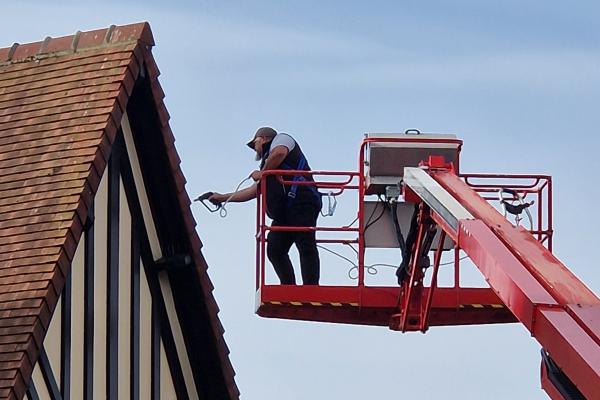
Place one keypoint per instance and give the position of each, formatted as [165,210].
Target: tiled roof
[61,103]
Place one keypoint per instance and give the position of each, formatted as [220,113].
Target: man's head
[263,135]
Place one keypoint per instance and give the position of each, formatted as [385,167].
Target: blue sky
[518,81]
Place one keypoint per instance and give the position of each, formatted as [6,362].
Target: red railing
[340,187]
[487,185]
[538,187]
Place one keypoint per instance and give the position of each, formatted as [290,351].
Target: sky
[518,81]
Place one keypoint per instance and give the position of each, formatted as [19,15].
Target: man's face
[258,147]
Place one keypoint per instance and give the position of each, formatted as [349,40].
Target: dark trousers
[279,244]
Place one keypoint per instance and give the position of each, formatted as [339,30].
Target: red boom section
[556,307]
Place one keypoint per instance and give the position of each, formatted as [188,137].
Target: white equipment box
[385,161]
[382,234]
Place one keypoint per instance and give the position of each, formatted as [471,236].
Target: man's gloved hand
[256,175]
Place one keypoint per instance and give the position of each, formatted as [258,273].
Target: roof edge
[79,42]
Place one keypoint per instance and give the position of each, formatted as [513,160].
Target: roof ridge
[79,42]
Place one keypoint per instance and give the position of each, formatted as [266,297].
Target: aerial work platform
[458,214]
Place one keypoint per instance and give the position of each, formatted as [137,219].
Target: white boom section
[435,196]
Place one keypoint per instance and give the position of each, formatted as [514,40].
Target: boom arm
[553,304]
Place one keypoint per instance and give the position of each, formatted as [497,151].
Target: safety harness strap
[299,178]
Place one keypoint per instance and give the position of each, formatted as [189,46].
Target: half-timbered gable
[104,292]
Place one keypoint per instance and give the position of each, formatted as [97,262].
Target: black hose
[370,220]
[399,236]
[411,238]
[402,271]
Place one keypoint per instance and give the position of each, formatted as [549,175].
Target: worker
[287,205]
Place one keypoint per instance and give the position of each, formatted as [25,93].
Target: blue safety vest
[279,195]
[301,166]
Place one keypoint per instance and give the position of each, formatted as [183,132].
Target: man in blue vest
[287,205]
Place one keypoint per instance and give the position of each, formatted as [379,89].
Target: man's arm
[276,157]
[240,196]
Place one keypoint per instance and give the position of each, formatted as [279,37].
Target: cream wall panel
[40,385]
[52,341]
[124,344]
[145,336]
[188,376]
[140,188]
[100,286]
[77,318]
[167,388]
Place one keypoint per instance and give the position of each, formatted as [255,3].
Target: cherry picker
[502,223]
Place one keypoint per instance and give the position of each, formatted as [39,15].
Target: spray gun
[203,198]
[218,206]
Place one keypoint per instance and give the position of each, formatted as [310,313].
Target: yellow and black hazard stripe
[310,303]
[480,306]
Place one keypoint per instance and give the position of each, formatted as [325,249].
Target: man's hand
[256,175]
[240,196]
[217,199]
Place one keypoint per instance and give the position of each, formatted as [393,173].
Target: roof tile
[23,51]
[50,132]
[91,39]
[48,75]
[76,140]
[58,44]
